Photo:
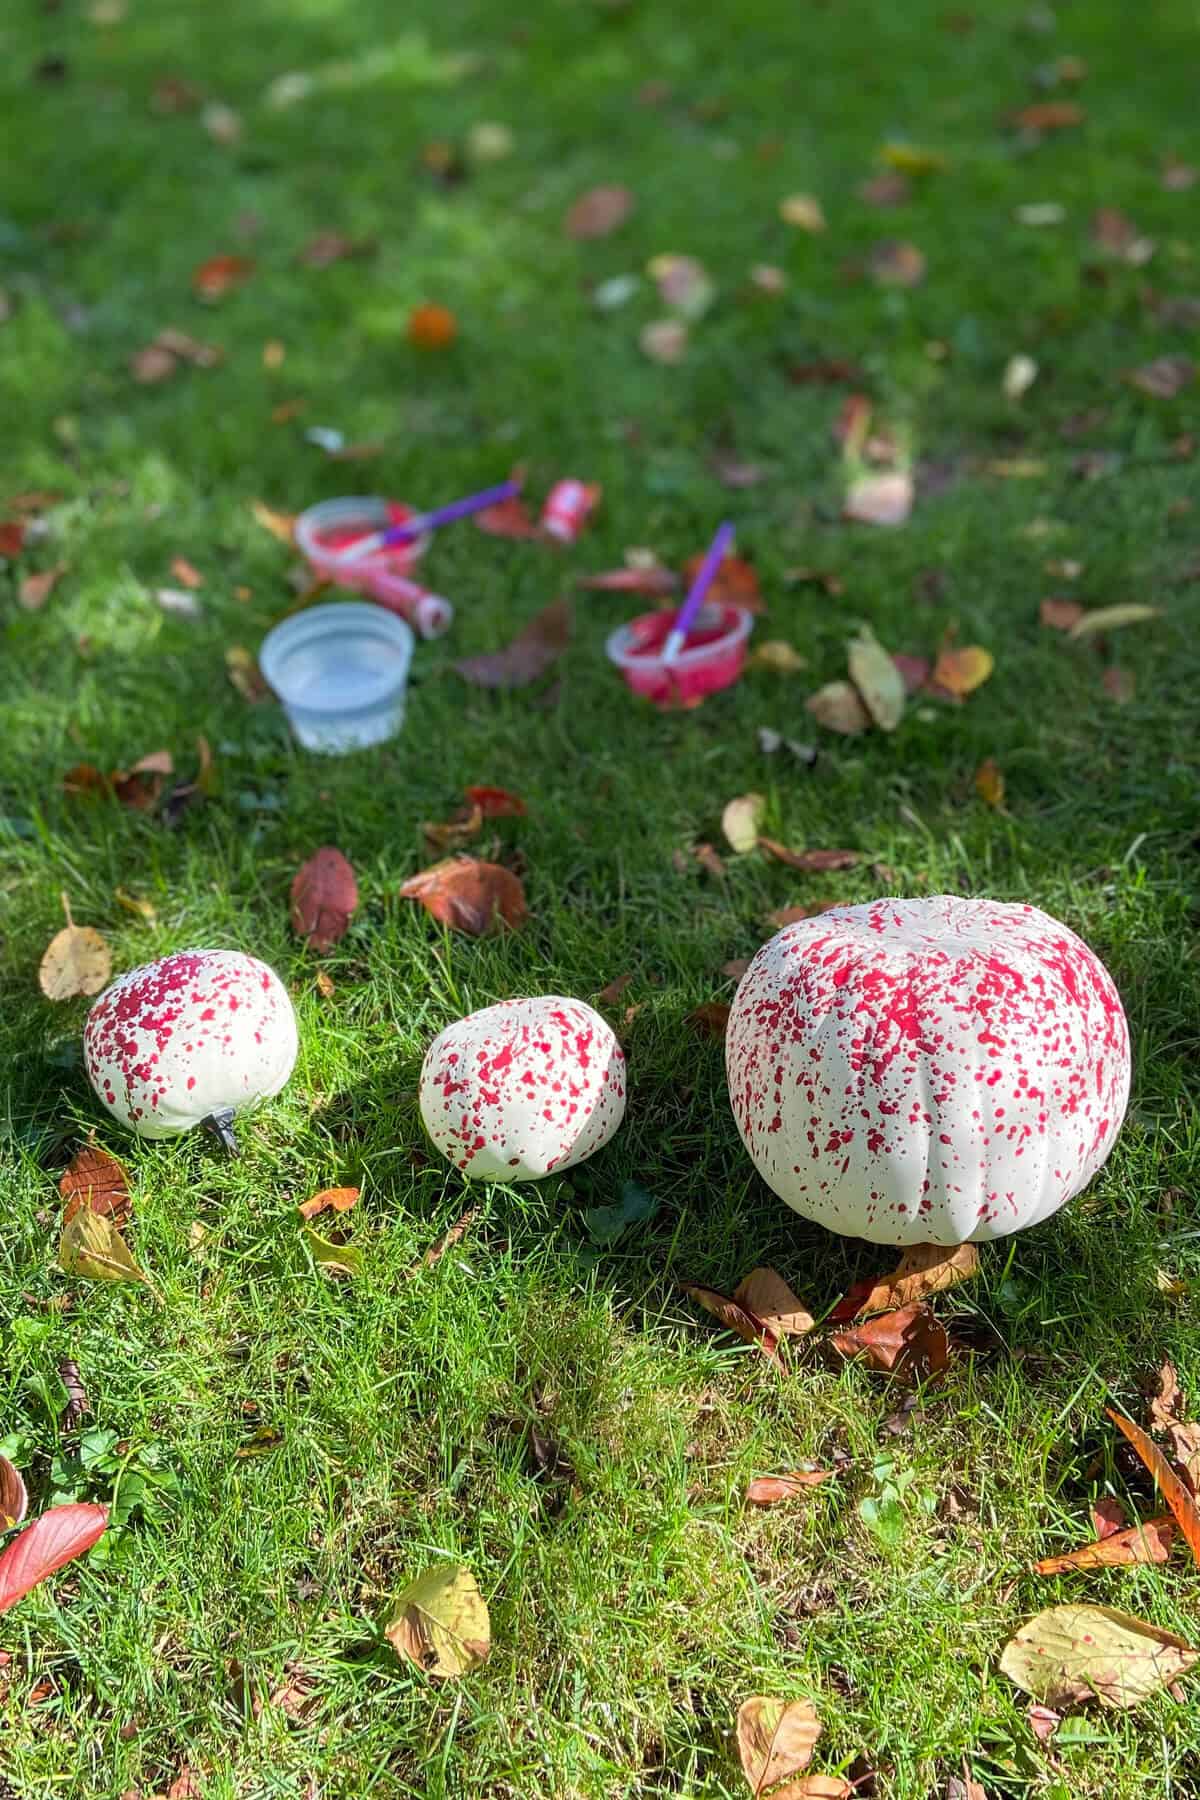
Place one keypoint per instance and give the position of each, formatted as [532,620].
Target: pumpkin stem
[220,1123]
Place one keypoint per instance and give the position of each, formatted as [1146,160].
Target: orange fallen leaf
[431,327]
[340,1199]
[1171,1485]
[497,802]
[281,525]
[735,1318]
[455,833]
[923,1269]
[1048,115]
[776,1739]
[734,584]
[1167,1415]
[989,783]
[910,1344]
[768,1490]
[96,1179]
[469,895]
[77,961]
[1148,1542]
[960,672]
[213,279]
[185,574]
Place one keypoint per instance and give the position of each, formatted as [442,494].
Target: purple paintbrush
[423,522]
[686,616]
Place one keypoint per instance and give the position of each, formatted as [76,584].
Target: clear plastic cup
[713,657]
[341,673]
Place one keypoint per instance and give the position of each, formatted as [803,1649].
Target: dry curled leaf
[923,1269]
[769,1490]
[960,672]
[885,498]
[76,961]
[33,591]
[323,899]
[1113,618]
[878,680]
[54,1539]
[735,1318]
[469,895]
[1108,1516]
[448,1239]
[989,783]
[1170,1483]
[441,1623]
[839,708]
[14,1501]
[1070,1653]
[93,1248]
[497,802]
[910,1344]
[96,1179]
[776,1739]
[213,279]
[340,1199]
[534,651]
[740,821]
[598,212]
[455,833]
[768,1298]
[810,862]
[1147,1542]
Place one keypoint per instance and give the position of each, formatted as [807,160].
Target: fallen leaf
[790,915]
[878,680]
[324,984]
[56,1538]
[140,787]
[76,961]
[923,1269]
[736,1319]
[92,1247]
[777,656]
[508,518]
[245,674]
[1118,684]
[816,1787]
[768,1298]
[655,582]
[776,1739]
[1147,1542]
[152,364]
[340,1199]
[1112,618]
[186,348]
[78,1404]
[12,537]
[223,125]
[1048,115]
[1178,176]
[1163,378]
[1117,235]
[534,651]
[709,861]
[281,525]
[213,279]
[1170,1484]
[1020,373]
[598,212]
[734,584]
[185,574]
[736,967]
[896,264]
[838,707]
[732,472]
[431,327]
[448,1239]
[96,1179]
[1070,1653]
[664,341]
[852,424]
[910,1344]
[489,141]
[768,1490]
[14,1501]
[1043,1722]
[768,279]
[324,896]
[1167,1416]
[989,783]
[709,1019]
[33,591]
[605,1224]
[962,671]
[497,802]
[885,498]
[740,821]
[911,159]
[683,284]
[888,188]
[264,1440]
[455,833]
[810,862]
[1060,615]
[469,895]
[804,211]
[334,1259]
[333,246]
[441,1622]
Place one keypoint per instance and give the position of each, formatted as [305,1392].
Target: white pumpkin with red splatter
[927,1071]
[194,1037]
[523,1089]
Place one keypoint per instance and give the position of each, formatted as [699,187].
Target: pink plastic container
[387,577]
[712,659]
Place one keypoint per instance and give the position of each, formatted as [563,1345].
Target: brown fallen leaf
[76,961]
[1147,1542]
[189,349]
[734,584]
[989,783]
[245,674]
[810,862]
[1170,1484]
[340,1199]
[529,656]
[1043,1722]
[324,897]
[776,1739]
[736,1319]
[213,279]
[441,1622]
[141,786]
[598,212]
[838,706]
[960,672]
[1060,615]
[333,246]
[14,1500]
[1168,1415]
[1163,378]
[766,1296]
[1048,115]
[455,833]
[769,1490]
[612,992]
[709,1019]
[816,1787]
[469,895]
[923,1269]
[497,802]
[78,1405]
[897,264]
[33,591]
[709,861]
[56,1538]
[1070,1653]
[791,915]
[448,1239]
[910,1344]
[884,498]
[736,967]
[97,1180]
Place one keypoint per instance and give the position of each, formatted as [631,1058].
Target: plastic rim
[617,645]
[370,510]
[382,623]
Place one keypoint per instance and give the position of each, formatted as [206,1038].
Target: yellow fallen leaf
[962,671]
[740,821]
[441,1622]
[1111,618]
[911,159]
[1070,1653]
[777,655]
[804,211]
[76,961]
[989,783]
[131,903]
[92,1247]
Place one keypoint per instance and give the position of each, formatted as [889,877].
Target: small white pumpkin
[189,1040]
[927,1071]
[523,1089]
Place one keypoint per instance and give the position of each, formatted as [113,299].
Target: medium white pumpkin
[927,1071]
[194,1037]
[523,1089]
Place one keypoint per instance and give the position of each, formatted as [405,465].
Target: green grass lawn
[631,1616]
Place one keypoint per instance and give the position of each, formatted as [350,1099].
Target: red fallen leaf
[497,802]
[98,1181]
[57,1538]
[332,246]
[1048,115]
[1171,1486]
[340,1199]
[910,1344]
[829,372]
[214,278]
[530,655]
[12,537]
[324,896]
[1108,1516]
[768,1490]
[1163,378]
[469,895]
[810,862]
[914,671]
[14,1501]
[598,212]
[735,1319]
[508,518]
[710,1019]
[1148,1542]
[655,582]
[1060,615]
[734,584]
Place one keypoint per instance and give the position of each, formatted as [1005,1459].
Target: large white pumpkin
[201,1033]
[523,1089]
[927,1071]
